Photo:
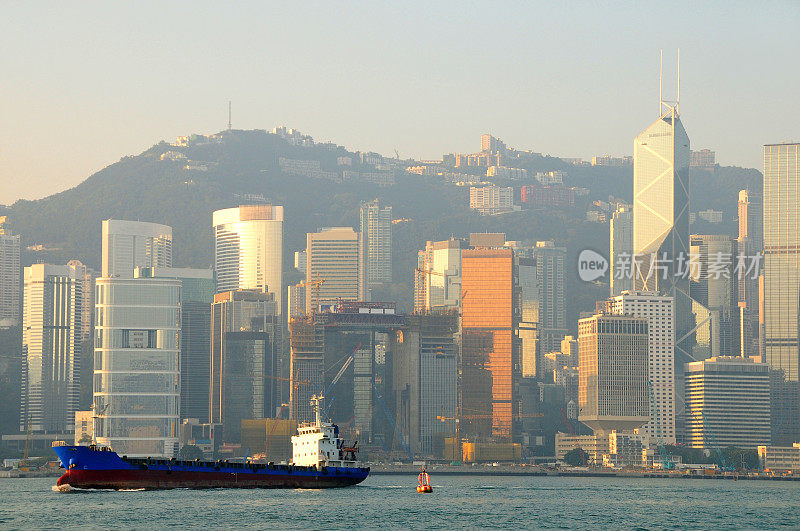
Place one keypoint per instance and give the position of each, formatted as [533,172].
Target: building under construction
[342,353]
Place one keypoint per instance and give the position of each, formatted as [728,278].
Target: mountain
[181,185]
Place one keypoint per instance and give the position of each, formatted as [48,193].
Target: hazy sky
[83,84]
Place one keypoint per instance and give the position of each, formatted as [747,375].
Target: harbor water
[391,501]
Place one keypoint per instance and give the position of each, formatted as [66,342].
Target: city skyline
[718,52]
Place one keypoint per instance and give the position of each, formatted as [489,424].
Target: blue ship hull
[92,468]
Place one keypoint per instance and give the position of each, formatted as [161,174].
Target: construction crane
[391,420]
[316,284]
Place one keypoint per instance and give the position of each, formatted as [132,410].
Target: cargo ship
[320,459]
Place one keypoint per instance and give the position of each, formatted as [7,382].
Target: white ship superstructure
[319,444]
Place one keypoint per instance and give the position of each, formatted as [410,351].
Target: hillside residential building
[491,200]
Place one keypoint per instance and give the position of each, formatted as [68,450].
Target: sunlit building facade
[437,278]
[9,277]
[131,244]
[612,386]
[781,284]
[376,232]
[334,256]
[248,249]
[489,343]
[137,365]
[51,323]
[661,215]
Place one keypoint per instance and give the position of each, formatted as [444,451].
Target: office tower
[529,297]
[749,244]
[197,294]
[296,301]
[51,328]
[713,291]
[131,244]
[437,278]
[781,284]
[489,345]
[248,249]
[334,256]
[621,249]
[659,311]
[727,403]
[85,276]
[552,303]
[300,261]
[425,380]
[376,234]
[569,348]
[245,326]
[137,365]
[343,352]
[612,392]
[661,216]
[9,277]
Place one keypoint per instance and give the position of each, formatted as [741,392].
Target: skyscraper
[490,348]
[714,295]
[334,256]
[197,294]
[244,359]
[437,278]
[661,215]
[248,249]
[781,285]
[9,277]
[749,243]
[376,232]
[552,303]
[621,248]
[659,311]
[612,388]
[85,276]
[137,365]
[51,324]
[131,244]
[727,403]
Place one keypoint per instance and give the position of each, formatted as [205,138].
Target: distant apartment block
[293,136]
[131,244]
[504,172]
[550,178]
[538,196]
[307,168]
[705,158]
[490,144]
[608,160]
[9,277]
[712,216]
[491,200]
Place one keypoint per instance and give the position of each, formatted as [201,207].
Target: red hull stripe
[163,479]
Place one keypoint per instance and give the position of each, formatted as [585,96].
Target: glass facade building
[131,244]
[137,365]
[661,216]
[248,249]
[9,277]
[51,333]
[749,243]
[781,284]
[245,339]
[621,243]
[490,349]
[376,231]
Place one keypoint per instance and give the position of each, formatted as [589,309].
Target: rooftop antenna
[229,115]
[660,77]
[678,100]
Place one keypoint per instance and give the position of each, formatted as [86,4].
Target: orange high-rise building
[489,345]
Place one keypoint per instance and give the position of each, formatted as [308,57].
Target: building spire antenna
[660,77]
[229,115]
[678,97]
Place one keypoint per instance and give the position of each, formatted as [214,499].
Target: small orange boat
[424,482]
